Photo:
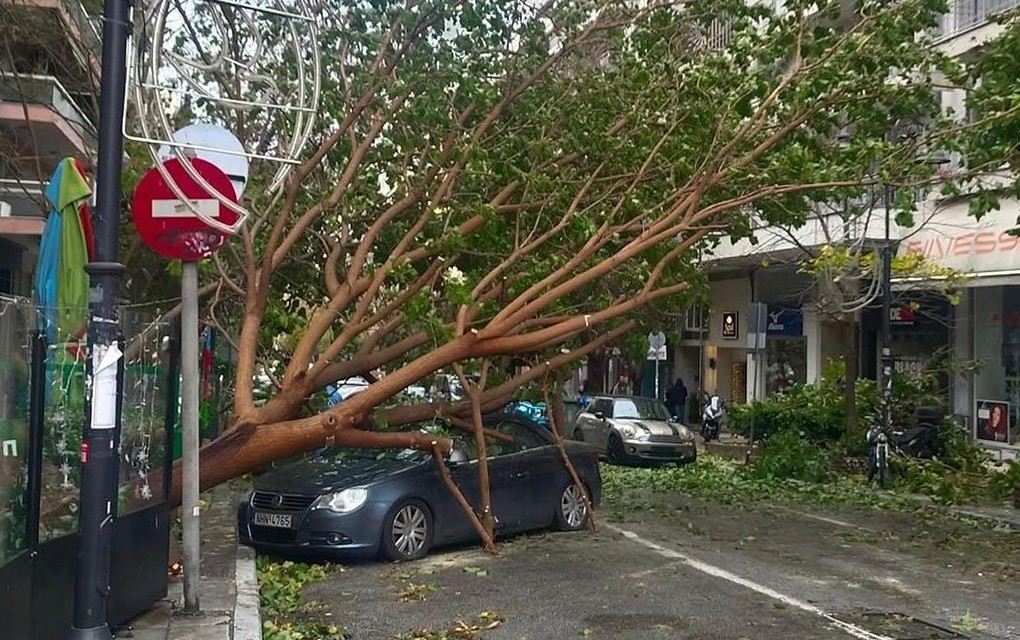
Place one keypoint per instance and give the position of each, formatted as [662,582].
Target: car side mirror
[599,415]
[457,457]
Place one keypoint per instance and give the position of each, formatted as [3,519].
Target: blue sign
[785,321]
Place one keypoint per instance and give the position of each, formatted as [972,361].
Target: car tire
[614,450]
[571,509]
[407,531]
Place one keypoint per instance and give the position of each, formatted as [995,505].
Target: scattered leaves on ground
[461,630]
[415,591]
[280,596]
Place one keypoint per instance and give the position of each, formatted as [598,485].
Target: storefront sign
[953,238]
[903,316]
[730,325]
[785,321]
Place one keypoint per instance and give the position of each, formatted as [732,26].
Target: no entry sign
[168,225]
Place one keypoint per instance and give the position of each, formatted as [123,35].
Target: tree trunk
[850,376]
[247,447]
[444,475]
[598,364]
[488,520]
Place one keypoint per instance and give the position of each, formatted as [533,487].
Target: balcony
[41,124]
[22,208]
[60,33]
[969,24]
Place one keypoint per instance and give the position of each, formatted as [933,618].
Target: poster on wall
[992,424]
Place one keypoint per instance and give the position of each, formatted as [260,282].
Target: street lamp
[104,362]
[895,134]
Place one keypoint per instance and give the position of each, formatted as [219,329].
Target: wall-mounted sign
[785,321]
[730,325]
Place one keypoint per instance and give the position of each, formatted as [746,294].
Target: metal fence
[42,404]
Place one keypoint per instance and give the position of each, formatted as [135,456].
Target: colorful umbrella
[61,284]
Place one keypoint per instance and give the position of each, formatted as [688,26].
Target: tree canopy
[497,179]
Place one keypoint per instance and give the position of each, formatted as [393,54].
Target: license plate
[280,520]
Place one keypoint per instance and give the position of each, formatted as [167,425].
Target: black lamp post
[888,364]
[101,437]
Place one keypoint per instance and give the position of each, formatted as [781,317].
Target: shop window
[997,350]
[785,363]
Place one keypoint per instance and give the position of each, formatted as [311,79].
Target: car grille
[665,452]
[281,501]
[670,439]
[272,535]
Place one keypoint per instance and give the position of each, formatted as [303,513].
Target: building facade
[983,330]
[49,72]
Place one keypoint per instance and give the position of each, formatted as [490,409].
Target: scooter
[711,418]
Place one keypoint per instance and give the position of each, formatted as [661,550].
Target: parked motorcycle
[919,442]
[711,418]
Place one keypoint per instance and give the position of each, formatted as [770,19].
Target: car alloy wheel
[410,531]
[573,508]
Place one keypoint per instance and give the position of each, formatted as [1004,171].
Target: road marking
[812,516]
[858,632]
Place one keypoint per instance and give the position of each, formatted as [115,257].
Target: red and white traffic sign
[168,225]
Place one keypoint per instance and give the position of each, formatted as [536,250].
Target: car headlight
[684,432]
[626,430]
[345,501]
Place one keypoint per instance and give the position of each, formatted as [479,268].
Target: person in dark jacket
[676,399]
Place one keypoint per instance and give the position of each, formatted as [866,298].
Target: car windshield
[347,453]
[640,409]
[363,453]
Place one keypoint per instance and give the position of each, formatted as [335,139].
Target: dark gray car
[348,501]
[633,429]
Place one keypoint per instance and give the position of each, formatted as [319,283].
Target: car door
[602,425]
[465,474]
[528,495]
[590,425]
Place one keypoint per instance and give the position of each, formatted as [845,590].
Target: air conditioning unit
[5,209]
[694,320]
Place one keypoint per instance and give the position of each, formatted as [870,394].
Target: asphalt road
[687,570]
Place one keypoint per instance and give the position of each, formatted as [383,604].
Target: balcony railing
[966,14]
[46,90]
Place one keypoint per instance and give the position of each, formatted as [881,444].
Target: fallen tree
[487,167]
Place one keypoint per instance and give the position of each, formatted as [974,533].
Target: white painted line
[812,516]
[857,632]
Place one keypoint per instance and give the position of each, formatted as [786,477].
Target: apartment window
[6,280]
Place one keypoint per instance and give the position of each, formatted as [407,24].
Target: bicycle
[878,458]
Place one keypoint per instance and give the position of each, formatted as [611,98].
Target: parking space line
[857,632]
[812,516]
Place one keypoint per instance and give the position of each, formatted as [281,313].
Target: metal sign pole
[189,434]
[656,374]
[101,438]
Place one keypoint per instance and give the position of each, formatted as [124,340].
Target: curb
[247,617]
[964,511]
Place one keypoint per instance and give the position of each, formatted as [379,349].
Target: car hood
[655,427]
[316,476]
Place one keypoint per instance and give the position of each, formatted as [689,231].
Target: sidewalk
[997,515]
[228,595]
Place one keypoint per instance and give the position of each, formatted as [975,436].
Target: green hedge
[818,411]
